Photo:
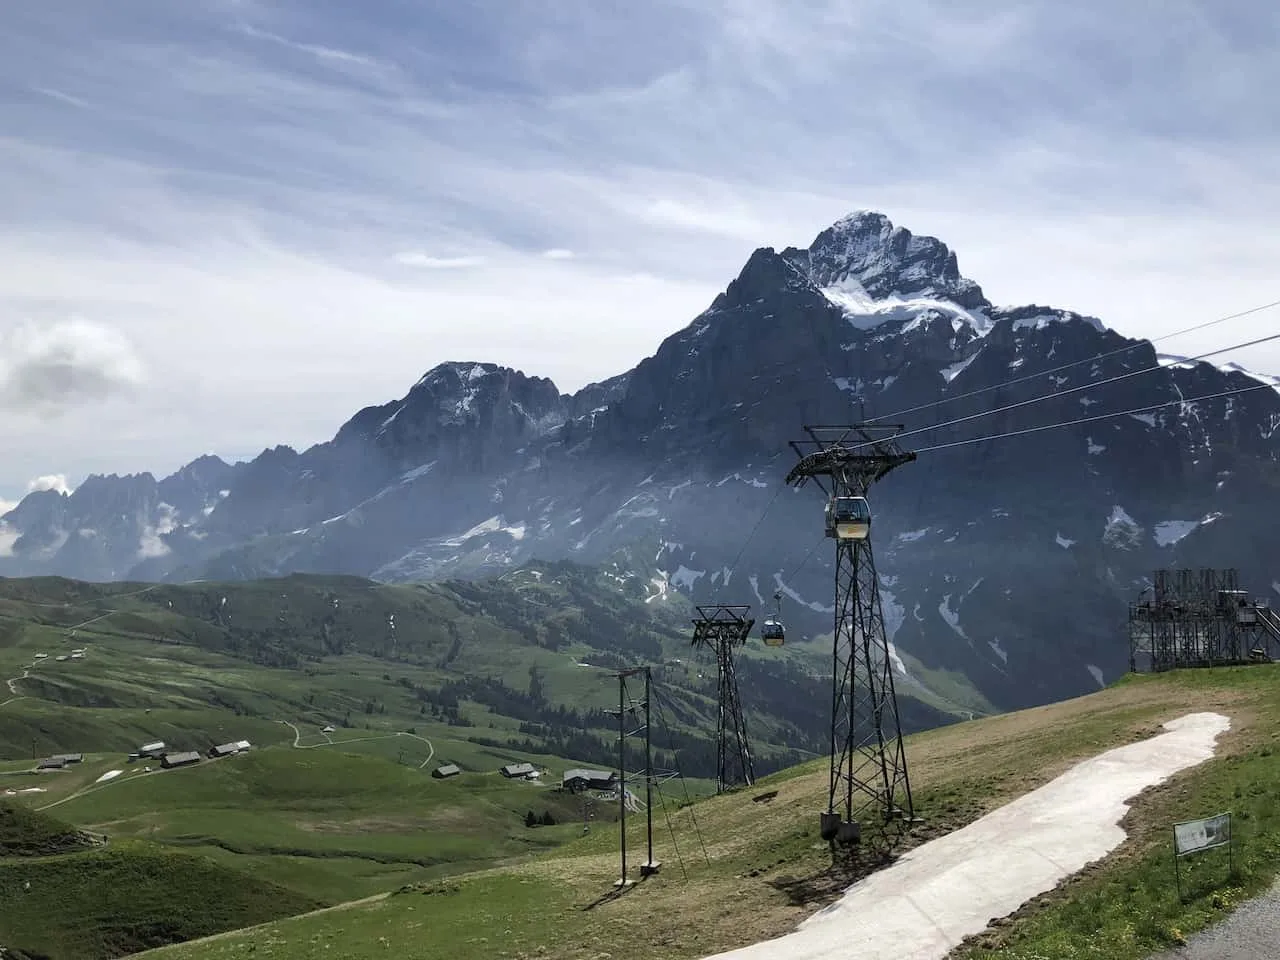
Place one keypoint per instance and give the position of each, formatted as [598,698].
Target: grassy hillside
[745,866]
[67,896]
[352,693]
[519,663]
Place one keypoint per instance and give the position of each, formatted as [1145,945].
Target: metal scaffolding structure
[868,774]
[1199,618]
[722,629]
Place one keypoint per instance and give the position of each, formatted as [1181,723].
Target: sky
[229,224]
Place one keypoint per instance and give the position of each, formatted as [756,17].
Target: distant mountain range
[1006,565]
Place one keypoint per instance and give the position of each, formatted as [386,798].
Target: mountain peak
[864,253]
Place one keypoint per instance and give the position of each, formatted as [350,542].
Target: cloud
[63,97]
[413,258]
[236,225]
[48,369]
[558,253]
[52,481]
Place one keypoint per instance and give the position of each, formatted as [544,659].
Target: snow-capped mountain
[1008,562]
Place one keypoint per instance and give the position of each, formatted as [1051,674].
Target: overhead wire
[1078,363]
[1094,419]
[1023,379]
[1077,389]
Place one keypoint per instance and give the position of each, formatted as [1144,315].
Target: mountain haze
[1007,562]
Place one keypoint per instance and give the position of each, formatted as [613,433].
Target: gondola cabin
[772,633]
[848,518]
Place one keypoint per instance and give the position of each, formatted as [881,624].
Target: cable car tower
[868,763]
[722,629]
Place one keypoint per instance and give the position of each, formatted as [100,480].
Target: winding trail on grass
[942,891]
[13,682]
[298,745]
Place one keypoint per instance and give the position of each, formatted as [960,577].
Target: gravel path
[1251,933]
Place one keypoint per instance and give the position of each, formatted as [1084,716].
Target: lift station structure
[868,778]
[722,630]
[1199,618]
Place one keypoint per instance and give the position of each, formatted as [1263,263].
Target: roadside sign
[1196,836]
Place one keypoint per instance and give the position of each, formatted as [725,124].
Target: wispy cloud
[415,258]
[237,223]
[62,97]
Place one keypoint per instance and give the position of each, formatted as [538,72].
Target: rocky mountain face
[1006,562]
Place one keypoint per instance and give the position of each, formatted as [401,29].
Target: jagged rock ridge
[1008,562]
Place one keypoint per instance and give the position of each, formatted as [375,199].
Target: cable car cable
[1078,363]
[1094,419]
[1235,316]
[1078,389]
[747,542]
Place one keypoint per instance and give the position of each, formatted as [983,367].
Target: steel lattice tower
[868,762]
[722,629]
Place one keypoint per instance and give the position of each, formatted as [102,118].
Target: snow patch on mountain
[788,591]
[686,578]
[1230,366]
[420,471]
[865,312]
[949,373]
[661,586]
[494,524]
[1094,448]
[1171,531]
[911,536]
[1121,530]
[951,617]
[999,650]
[1096,673]
[1063,542]
[753,482]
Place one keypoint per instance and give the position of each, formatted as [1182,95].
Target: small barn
[51,763]
[184,759]
[577,780]
[152,749]
[224,750]
[68,757]
[514,771]
[446,770]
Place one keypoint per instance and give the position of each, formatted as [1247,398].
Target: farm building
[243,744]
[51,763]
[151,749]
[446,770]
[578,780]
[68,757]
[171,760]
[224,750]
[515,770]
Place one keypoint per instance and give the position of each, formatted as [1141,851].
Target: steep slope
[1008,562]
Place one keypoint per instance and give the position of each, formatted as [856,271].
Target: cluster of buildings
[184,758]
[573,781]
[59,761]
